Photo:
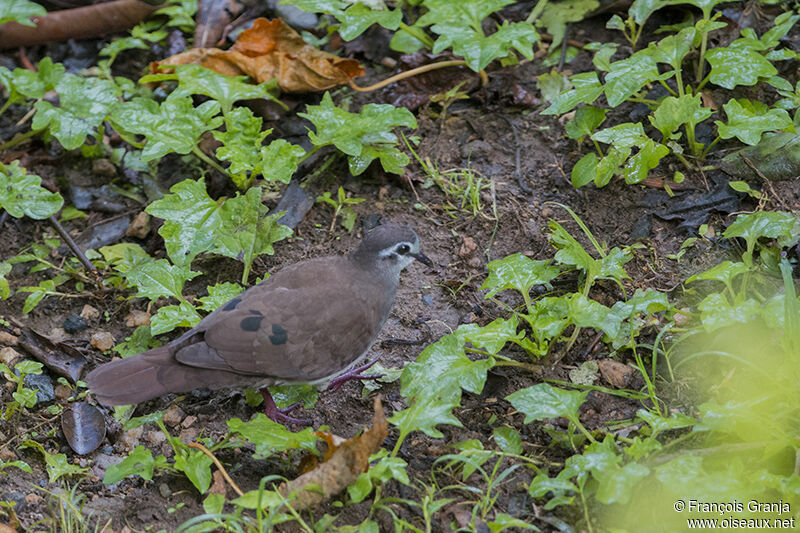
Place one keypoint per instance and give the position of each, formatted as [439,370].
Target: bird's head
[391,247]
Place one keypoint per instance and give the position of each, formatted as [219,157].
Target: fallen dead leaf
[343,466]
[270,50]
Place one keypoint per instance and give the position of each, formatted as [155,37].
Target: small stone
[89,313]
[164,490]
[218,485]
[546,212]
[137,318]
[682,317]
[8,339]
[62,392]
[7,455]
[156,437]
[188,421]
[467,247]
[104,167]
[140,226]
[427,299]
[9,356]
[616,373]
[32,498]
[475,262]
[130,438]
[173,416]
[188,435]
[102,461]
[43,386]
[102,340]
[75,323]
[57,335]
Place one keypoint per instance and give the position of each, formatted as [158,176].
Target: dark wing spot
[256,312]
[232,304]
[279,335]
[251,323]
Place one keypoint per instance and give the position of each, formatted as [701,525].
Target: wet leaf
[545,401]
[491,337]
[518,272]
[734,66]
[57,464]
[84,104]
[784,227]
[158,278]
[219,294]
[270,437]
[586,89]
[748,119]
[84,427]
[647,158]
[508,439]
[23,83]
[628,76]
[269,50]
[196,465]
[673,112]
[20,11]
[385,469]
[173,126]
[363,136]
[170,317]
[585,121]
[21,194]
[139,462]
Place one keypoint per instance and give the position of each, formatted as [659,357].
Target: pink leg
[350,375]
[280,415]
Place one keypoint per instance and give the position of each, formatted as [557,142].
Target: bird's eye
[403,249]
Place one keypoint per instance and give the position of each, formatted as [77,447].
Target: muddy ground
[482,133]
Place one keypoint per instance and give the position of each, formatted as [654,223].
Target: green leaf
[191,220]
[84,104]
[584,171]
[628,76]
[197,467]
[57,465]
[21,194]
[647,158]
[671,50]
[20,11]
[5,289]
[279,160]
[246,231]
[358,17]
[385,469]
[615,482]
[140,341]
[491,337]
[544,401]
[170,317]
[174,126]
[125,256]
[586,89]
[748,119]
[158,278]
[508,439]
[286,395]
[241,142]
[23,83]
[717,312]
[195,79]
[673,112]
[364,136]
[518,272]
[641,10]
[784,227]
[625,135]
[219,294]
[503,521]
[585,121]
[734,66]
[610,165]
[270,437]
[725,272]
[139,462]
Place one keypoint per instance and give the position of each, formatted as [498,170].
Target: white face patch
[400,253]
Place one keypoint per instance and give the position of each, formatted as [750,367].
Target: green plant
[341,206]
[632,152]
[23,396]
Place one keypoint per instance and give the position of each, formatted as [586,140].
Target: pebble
[188,421]
[104,167]
[164,490]
[9,356]
[102,461]
[140,226]
[90,313]
[427,299]
[467,247]
[75,323]
[475,262]
[137,318]
[62,392]
[8,339]
[188,435]
[43,386]
[156,437]
[102,340]
[173,416]
[131,438]
[57,335]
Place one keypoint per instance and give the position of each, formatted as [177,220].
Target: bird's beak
[422,258]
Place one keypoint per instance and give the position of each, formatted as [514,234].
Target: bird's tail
[140,377]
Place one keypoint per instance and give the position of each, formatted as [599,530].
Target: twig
[517,150]
[77,251]
[414,72]
[206,451]
[766,180]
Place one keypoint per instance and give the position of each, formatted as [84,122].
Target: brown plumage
[307,323]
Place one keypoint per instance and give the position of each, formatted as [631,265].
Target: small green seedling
[23,396]
[341,206]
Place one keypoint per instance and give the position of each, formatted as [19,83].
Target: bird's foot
[353,374]
[281,415]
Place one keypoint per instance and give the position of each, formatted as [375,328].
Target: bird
[310,323]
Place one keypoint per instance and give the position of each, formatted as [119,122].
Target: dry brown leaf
[347,461]
[269,50]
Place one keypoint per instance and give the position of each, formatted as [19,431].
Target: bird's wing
[304,324]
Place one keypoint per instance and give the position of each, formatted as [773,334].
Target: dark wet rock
[75,323]
[103,234]
[43,386]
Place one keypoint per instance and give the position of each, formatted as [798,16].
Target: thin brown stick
[206,451]
[409,74]
[76,250]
